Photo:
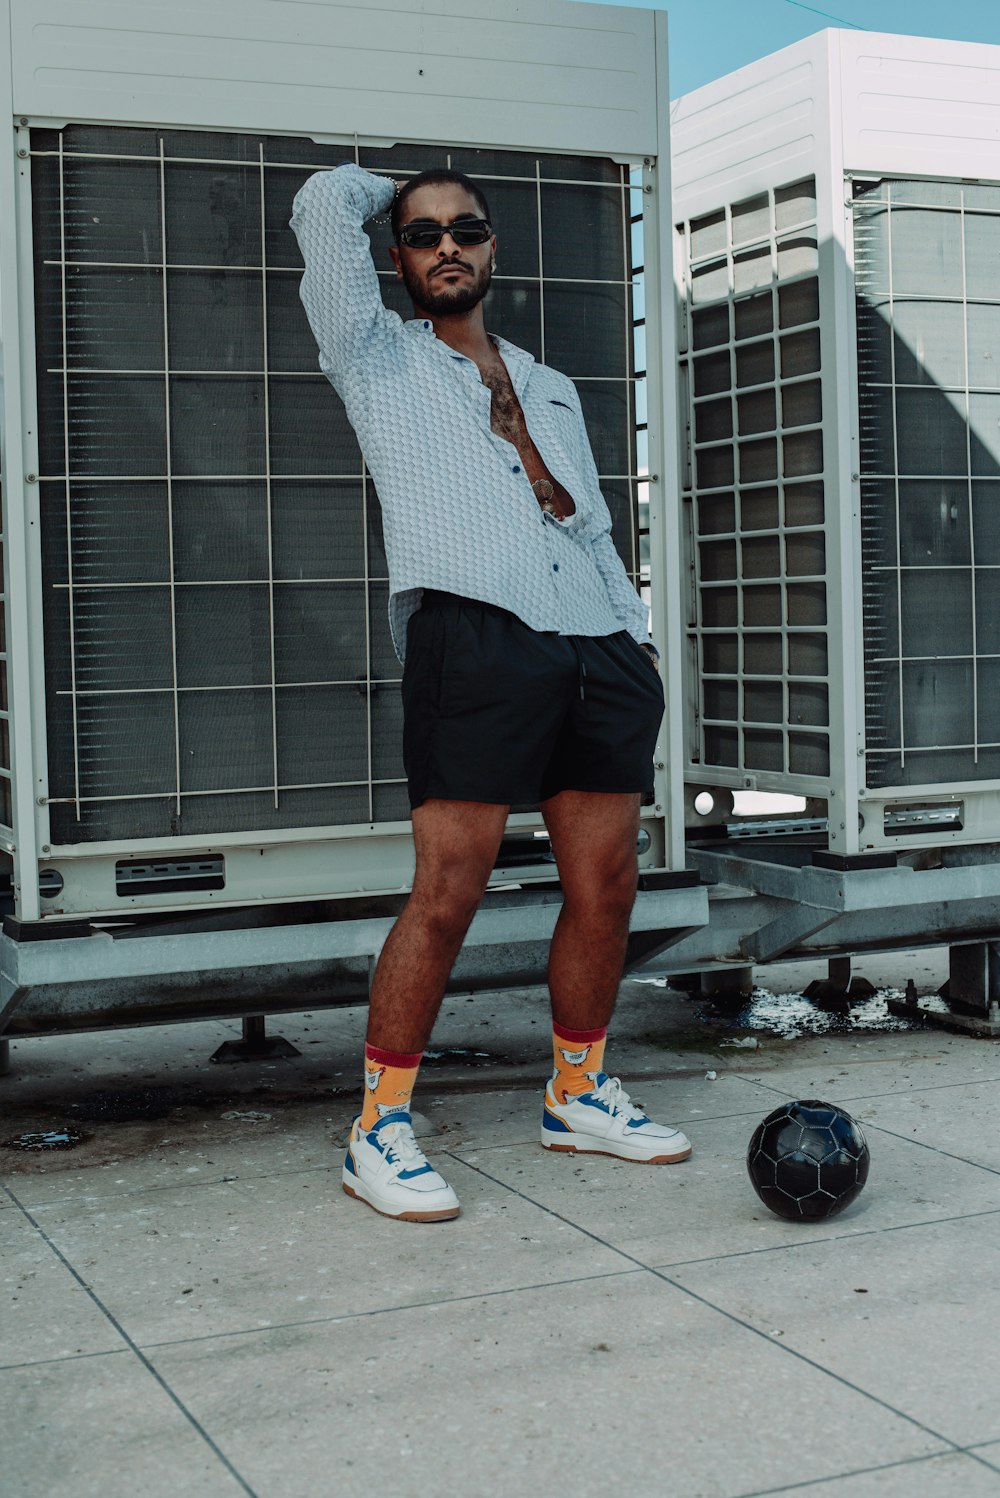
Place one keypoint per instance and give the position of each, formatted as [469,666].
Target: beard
[432,295]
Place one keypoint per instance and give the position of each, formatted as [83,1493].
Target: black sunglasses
[425,234]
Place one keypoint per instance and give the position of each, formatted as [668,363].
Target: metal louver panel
[928,311]
[216,641]
[755,490]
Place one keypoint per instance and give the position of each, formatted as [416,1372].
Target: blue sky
[711,37]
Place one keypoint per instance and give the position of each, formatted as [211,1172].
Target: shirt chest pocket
[560,426]
[562,443]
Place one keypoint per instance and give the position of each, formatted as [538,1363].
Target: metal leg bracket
[256,1045]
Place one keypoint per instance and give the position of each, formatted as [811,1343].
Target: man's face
[450,277]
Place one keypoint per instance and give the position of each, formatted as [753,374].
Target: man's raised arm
[340,288]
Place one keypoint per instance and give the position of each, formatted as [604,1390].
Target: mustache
[452,265]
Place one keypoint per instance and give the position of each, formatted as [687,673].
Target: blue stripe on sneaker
[637,1123]
[590,1101]
[421,1170]
[553,1124]
[350,1165]
[391,1118]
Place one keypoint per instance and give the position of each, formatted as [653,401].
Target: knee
[447,899]
[605,899]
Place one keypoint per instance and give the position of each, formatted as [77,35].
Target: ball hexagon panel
[807,1160]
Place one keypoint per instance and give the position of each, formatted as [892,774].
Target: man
[529,675]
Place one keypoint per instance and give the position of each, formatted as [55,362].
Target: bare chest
[506,416]
[507,420]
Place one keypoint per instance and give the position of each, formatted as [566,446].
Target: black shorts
[494,711]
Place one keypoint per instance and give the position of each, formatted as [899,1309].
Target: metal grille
[750,380]
[928,318]
[217,647]
[642,564]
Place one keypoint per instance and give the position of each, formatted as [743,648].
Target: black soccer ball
[808,1160]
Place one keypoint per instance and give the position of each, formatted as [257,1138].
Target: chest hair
[507,420]
[506,416]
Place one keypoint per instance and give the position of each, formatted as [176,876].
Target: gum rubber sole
[445,1215]
[613,1154]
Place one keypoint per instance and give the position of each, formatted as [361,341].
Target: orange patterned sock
[389,1079]
[579,1057]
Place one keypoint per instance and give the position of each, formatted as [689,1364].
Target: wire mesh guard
[216,642]
[928,313]
[750,382]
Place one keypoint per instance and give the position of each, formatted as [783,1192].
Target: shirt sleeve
[625,601]
[340,287]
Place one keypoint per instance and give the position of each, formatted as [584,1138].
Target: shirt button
[516,468]
[555,566]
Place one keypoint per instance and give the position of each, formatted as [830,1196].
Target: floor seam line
[892,1134]
[61,1201]
[811,1482]
[897,1227]
[136,1351]
[731,1316]
[934,1149]
[69,1357]
[414,1305]
[863,1097]
[940,1087]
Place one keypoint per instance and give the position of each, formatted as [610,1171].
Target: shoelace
[401,1147]
[613,1093]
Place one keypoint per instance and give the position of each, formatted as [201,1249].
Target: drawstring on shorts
[581,666]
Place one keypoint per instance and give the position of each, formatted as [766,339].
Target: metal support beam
[974,977]
[786,931]
[838,973]
[102,980]
[838,988]
[643,946]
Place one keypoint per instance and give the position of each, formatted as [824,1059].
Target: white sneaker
[386,1168]
[606,1122]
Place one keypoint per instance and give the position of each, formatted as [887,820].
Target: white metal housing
[838,241]
[155,153]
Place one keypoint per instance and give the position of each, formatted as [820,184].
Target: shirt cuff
[378,189]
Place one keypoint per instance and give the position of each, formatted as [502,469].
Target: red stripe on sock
[393,1058]
[578,1037]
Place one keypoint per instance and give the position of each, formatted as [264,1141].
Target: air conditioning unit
[200,701]
[837,210]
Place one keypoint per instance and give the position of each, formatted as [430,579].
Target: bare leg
[456,845]
[594,841]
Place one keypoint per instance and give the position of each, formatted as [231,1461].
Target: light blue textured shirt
[458,510]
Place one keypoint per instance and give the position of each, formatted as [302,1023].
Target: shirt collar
[518,361]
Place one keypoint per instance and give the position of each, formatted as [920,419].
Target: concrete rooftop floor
[192,1305]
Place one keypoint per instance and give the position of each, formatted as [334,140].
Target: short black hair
[431,179]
